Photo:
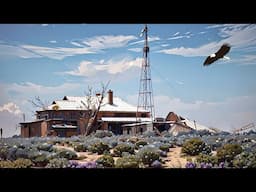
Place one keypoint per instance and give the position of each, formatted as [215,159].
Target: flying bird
[219,54]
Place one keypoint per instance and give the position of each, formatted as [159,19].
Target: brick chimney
[110,97]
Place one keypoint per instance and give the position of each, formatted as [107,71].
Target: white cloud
[88,68]
[88,46]
[76,44]
[238,36]
[108,41]
[165,45]
[44,25]
[137,49]
[58,52]
[177,33]
[246,60]
[180,82]
[9,122]
[11,108]
[36,89]
[16,51]
[202,32]
[150,39]
[179,37]
[10,116]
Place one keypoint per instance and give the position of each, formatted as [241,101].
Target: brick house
[69,116]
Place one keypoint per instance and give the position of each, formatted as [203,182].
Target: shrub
[45,147]
[105,161]
[195,146]
[119,149]
[68,154]
[228,151]
[102,133]
[23,163]
[99,148]
[202,158]
[165,147]
[80,147]
[58,163]
[40,159]
[245,160]
[3,152]
[148,155]
[140,144]
[6,164]
[130,161]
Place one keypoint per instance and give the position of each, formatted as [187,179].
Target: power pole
[145,98]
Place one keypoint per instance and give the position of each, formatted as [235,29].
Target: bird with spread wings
[218,55]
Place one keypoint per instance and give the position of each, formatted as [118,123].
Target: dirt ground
[173,159]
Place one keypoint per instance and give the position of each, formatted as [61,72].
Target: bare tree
[93,105]
[37,102]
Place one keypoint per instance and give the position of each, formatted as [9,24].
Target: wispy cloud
[17,51]
[150,39]
[76,44]
[11,108]
[164,45]
[108,41]
[179,37]
[246,60]
[238,36]
[89,68]
[202,32]
[87,46]
[137,49]
[58,52]
[177,33]
[180,82]
[44,25]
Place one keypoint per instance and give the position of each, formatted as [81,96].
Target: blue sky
[53,60]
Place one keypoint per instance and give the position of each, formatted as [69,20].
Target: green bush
[105,161]
[102,133]
[165,147]
[194,147]
[3,152]
[140,144]
[23,163]
[148,155]
[68,154]
[202,158]
[228,151]
[130,161]
[80,147]
[58,163]
[40,159]
[119,149]
[99,148]
[245,160]
[45,147]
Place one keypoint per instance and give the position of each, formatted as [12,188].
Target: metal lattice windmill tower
[145,98]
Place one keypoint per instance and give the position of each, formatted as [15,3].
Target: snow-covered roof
[196,126]
[125,119]
[81,103]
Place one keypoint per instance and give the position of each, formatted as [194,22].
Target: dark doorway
[115,128]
